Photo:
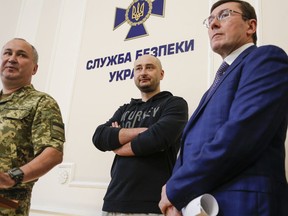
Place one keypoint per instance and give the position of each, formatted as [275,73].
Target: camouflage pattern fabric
[30,121]
[23,196]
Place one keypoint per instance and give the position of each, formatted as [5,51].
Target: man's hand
[126,135]
[166,206]
[6,181]
[164,203]
[172,211]
[115,125]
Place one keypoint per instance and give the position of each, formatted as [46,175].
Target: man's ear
[252,26]
[35,69]
[162,74]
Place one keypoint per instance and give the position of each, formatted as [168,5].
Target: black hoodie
[137,181]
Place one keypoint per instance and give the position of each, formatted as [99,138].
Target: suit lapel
[205,100]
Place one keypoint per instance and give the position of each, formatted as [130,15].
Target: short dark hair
[247,10]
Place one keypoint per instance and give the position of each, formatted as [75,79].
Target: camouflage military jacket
[29,122]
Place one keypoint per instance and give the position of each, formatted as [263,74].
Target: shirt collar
[230,58]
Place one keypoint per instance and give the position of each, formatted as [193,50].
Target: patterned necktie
[223,67]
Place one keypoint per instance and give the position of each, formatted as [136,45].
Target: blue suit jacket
[233,146]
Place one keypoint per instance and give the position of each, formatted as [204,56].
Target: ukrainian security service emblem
[136,15]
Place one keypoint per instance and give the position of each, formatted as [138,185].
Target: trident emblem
[139,12]
[136,15]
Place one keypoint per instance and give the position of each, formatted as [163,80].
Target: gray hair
[34,51]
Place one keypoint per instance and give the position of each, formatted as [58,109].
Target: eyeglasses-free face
[222,15]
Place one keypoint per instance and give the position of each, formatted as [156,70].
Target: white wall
[67,33]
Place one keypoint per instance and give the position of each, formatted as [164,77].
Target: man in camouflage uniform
[31,127]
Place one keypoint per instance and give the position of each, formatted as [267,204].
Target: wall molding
[46,211]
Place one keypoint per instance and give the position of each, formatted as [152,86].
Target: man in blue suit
[233,146]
